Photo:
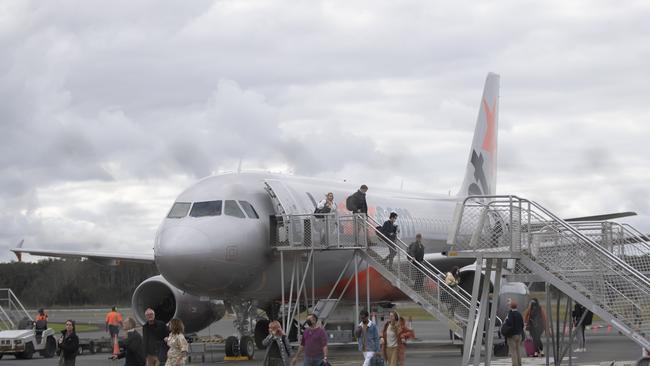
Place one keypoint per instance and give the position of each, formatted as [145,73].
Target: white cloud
[102,102]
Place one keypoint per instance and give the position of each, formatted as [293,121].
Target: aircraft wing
[110,258]
[603,217]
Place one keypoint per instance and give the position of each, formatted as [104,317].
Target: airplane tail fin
[481,172]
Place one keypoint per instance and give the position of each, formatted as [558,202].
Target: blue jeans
[312,361]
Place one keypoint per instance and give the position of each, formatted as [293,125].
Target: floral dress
[177,345]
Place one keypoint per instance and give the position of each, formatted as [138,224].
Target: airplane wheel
[232,346]
[247,346]
[261,332]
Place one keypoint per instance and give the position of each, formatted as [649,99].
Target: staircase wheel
[247,347]
[232,346]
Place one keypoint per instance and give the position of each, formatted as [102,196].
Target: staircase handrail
[460,293]
[564,225]
[408,256]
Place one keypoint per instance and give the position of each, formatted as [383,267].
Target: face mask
[309,323]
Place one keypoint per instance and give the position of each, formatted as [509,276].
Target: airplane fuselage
[226,253]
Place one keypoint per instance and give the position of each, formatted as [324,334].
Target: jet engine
[169,302]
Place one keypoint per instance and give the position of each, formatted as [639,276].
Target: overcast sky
[109,109]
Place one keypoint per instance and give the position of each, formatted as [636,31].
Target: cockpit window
[179,209]
[209,208]
[248,208]
[231,209]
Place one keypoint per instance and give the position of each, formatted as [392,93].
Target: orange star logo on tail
[489,141]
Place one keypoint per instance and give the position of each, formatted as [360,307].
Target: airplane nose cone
[179,241]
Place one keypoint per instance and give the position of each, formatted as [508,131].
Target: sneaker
[541,353]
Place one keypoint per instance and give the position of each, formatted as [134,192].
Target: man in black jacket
[389,229]
[154,332]
[359,204]
[416,250]
[515,325]
[131,347]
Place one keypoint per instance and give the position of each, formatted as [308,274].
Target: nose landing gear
[242,347]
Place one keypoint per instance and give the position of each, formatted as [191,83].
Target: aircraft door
[285,202]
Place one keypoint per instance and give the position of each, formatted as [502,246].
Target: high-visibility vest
[113,318]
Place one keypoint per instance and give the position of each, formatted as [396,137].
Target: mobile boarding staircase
[310,234]
[601,265]
[12,311]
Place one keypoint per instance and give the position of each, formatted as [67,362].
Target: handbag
[506,329]
[323,210]
[376,360]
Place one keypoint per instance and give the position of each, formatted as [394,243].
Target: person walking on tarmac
[113,322]
[68,344]
[513,330]
[131,347]
[535,323]
[367,335]
[153,334]
[313,342]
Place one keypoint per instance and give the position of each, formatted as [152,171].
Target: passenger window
[231,209]
[249,209]
[208,208]
[179,209]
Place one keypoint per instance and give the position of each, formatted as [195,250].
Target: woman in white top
[178,347]
[327,222]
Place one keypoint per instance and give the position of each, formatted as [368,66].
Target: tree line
[71,282]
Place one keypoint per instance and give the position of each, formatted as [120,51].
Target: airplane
[213,247]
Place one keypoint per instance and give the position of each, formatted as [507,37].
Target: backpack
[350,204]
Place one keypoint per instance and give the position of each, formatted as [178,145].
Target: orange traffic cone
[116,346]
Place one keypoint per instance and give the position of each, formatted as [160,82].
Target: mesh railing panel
[567,253]
[322,230]
[421,278]
[353,231]
[622,240]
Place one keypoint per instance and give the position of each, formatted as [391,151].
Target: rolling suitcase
[529,347]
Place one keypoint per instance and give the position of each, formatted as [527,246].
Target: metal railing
[320,230]
[423,279]
[557,250]
[12,310]
[622,240]
[422,282]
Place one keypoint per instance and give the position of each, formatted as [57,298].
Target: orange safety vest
[41,317]
[113,318]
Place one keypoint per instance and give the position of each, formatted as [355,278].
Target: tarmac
[431,347]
